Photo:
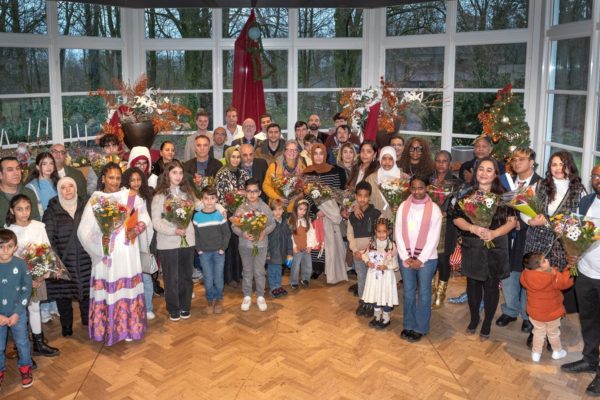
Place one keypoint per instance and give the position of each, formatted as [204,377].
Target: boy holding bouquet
[252,222]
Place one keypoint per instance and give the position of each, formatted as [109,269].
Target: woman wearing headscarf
[140,157]
[331,260]
[387,171]
[62,218]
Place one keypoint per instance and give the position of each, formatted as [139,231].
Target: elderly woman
[290,164]
[387,170]
[62,218]
[416,158]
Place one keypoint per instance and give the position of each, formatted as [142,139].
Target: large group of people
[113,277]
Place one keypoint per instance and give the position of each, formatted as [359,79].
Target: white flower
[489,203]
[315,194]
[180,213]
[409,97]
[166,100]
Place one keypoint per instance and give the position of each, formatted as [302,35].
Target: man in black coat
[202,164]
[59,153]
[482,148]
[255,167]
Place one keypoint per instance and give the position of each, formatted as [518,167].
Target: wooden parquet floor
[309,345]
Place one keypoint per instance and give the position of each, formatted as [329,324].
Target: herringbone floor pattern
[309,345]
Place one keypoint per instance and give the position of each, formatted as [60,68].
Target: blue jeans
[20,335]
[213,265]
[417,310]
[148,291]
[515,296]
[361,274]
[301,265]
[274,276]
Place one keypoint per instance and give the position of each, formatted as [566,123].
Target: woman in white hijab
[387,170]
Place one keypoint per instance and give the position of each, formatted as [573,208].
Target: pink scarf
[424,226]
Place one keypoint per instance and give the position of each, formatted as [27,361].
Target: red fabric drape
[370,132]
[248,94]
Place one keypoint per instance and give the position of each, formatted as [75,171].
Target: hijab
[394,173]
[136,154]
[70,206]
[322,168]
[228,153]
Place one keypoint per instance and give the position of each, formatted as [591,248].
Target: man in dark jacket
[255,167]
[202,164]
[273,147]
[483,148]
[10,186]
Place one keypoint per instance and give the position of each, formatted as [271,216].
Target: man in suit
[202,164]
[522,163]
[249,128]
[255,167]
[58,152]
[217,150]
[273,147]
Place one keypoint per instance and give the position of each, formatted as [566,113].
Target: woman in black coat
[62,219]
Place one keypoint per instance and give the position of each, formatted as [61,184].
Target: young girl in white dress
[380,287]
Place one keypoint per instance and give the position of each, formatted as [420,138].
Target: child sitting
[279,250]
[13,303]
[545,302]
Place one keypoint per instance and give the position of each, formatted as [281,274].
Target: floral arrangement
[110,216]
[480,208]
[43,262]
[98,161]
[287,186]
[200,182]
[179,212]
[137,103]
[318,192]
[356,104]
[346,199]
[233,201]
[78,162]
[523,200]
[575,234]
[439,193]
[395,191]
[252,223]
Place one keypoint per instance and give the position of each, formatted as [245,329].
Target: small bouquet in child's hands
[346,199]
[395,191]
[110,216]
[480,208]
[43,262]
[287,186]
[318,192]
[233,201]
[253,223]
[179,212]
[377,259]
[523,200]
[575,234]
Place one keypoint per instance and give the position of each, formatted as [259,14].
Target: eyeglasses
[594,177]
[61,152]
[415,149]
[292,150]
[253,191]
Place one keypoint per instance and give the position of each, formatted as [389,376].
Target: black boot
[369,310]
[158,290]
[42,349]
[33,364]
[361,308]
[67,330]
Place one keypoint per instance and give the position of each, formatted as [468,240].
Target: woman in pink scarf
[417,233]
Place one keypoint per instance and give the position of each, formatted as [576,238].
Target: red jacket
[544,296]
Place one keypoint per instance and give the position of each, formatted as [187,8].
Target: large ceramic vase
[138,134]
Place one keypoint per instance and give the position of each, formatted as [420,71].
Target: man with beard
[250,137]
[314,123]
[255,167]
[273,147]
[587,289]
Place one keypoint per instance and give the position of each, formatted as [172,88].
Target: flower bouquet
[233,201]
[318,192]
[439,193]
[252,223]
[575,234]
[523,200]
[480,208]
[43,262]
[200,182]
[110,216]
[287,186]
[98,161]
[394,191]
[346,199]
[179,212]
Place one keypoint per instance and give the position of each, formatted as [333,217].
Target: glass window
[570,63]
[329,68]
[83,19]
[577,157]
[275,103]
[277,58]
[16,114]
[567,119]
[273,21]
[416,19]
[324,104]
[23,70]
[489,15]
[171,23]
[491,66]
[179,69]
[571,11]
[421,67]
[317,22]
[23,17]
[425,119]
[194,101]
[83,115]
[435,142]
[466,108]
[82,70]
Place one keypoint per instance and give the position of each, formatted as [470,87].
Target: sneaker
[262,304]
[275,293]
[174,316]
[557,355]
[535,357]
[283,292]
[128,339]
[304,283]
[185,314]
[26,376]
[246,303]
[150,315]
[458,299]
[294,286]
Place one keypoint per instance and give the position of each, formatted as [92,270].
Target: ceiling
[248,3]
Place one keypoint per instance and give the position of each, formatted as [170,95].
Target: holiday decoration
[504,122]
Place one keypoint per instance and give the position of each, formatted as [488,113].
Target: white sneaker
[557,355]
[150,315]
[535,357]
[246,303]
[262,304]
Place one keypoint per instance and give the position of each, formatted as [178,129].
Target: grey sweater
[261,207]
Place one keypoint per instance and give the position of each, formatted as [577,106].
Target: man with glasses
[110,145]
[587,289]
[482,148]
[59,153]
[10,186]
[250,136]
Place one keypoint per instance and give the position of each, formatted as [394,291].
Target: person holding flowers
[387,175]
[252,223]
[484,225]
[109,236]
[288,165]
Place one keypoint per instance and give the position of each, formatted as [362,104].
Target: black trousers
[177,265]
[588,298]
[490,293]
[450,236]
[65,308]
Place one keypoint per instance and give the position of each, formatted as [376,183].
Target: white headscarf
[394,173]
[69,206]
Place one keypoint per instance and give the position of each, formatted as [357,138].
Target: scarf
[228,153]
[70,206]
[136,154]
[394,172]
[423,228]
[322,168]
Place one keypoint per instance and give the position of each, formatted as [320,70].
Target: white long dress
[117,308]
[380,286]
